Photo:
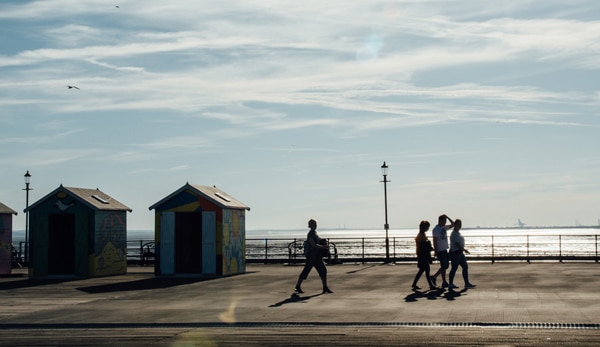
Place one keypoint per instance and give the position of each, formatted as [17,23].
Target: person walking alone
[314,252]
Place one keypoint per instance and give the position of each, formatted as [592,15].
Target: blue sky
[486,111]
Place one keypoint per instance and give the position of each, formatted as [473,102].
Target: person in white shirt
[457,256]
[440,245]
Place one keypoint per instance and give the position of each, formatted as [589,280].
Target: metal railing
[583,247]
[529,247]
[141,252]
[18,255]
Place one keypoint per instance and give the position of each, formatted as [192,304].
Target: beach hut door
[167,243]
[209,243]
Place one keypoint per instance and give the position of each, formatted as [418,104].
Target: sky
[486,111]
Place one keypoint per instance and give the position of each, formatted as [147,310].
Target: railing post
[141,256]
[21,251]
[295,250]
[596,237]
[363,250]
[294,247]
[266,249]
[528,260]
[560,248]
[493,259]
[394,241]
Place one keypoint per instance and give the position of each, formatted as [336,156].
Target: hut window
[99,198]
[222,197]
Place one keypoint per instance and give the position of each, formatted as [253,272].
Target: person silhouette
[314,251]
[424,248]
[440,245]
[457,256]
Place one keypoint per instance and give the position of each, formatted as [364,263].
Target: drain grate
[185,325]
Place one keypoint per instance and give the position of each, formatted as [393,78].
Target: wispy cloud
[332,84]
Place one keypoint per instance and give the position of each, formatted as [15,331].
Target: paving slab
[514,304]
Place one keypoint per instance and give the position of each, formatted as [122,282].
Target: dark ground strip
[509,325]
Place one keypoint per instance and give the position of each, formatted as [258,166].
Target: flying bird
[71,87]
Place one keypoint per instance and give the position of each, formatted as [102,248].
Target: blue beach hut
[200,231]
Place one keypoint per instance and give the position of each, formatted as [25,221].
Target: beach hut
[77,232]
[200,230]
[6,214]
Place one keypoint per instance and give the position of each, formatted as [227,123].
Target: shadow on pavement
[28,283]
[361,269]
[143,284]
[293,299]
[434,295]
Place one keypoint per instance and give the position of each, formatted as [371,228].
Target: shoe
[452,286]
[415,287]
[433,288]
[433,281]
[445,285]
[327,291]
[297,289]
[470,285]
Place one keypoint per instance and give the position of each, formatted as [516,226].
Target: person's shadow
[452,294]
[293,299]
[426,294]
[434,294]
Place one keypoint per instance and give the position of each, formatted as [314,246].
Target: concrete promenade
[514,304]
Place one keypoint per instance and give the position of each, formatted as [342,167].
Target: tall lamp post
[384,169]
[27,189]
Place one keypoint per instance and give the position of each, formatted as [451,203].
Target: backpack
[305,247]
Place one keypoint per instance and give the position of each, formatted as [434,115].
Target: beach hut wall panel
[6,218]
[109,256]
[234,241]
[78,231]
[200,230]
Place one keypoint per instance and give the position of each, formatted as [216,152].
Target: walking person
[424,249]
[457,256]
[440,245]
[314,251]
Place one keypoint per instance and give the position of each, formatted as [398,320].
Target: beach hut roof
[6,210]
[213,194]
[93,198]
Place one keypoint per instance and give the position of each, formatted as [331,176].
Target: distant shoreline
[539,227]
[465,228]
[409,228]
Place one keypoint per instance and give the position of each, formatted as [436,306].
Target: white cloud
[163,81]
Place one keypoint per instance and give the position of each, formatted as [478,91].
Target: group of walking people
[315,247]
[448,250]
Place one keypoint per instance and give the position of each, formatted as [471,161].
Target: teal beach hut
[78,232]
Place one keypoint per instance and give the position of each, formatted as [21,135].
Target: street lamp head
[384,169]
[27,177]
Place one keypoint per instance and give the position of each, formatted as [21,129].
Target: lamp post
[384,169]
[27,189]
